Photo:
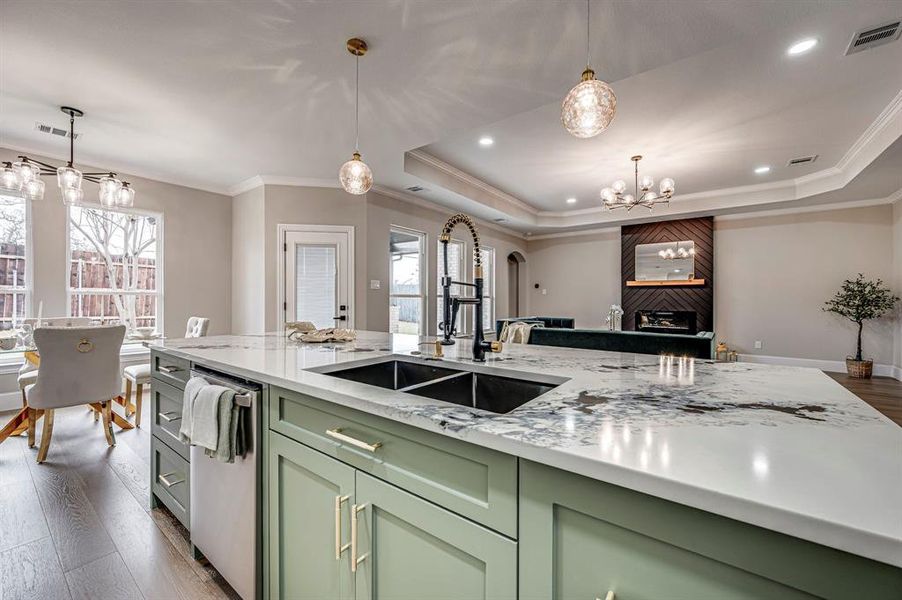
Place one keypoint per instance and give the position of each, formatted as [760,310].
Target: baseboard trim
[834,366]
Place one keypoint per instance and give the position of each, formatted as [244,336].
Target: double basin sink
[473,388]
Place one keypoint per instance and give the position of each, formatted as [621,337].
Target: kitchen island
[634,474]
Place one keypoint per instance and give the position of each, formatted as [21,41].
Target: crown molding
[434,206]
[125,172]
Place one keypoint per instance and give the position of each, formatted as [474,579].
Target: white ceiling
[210,94]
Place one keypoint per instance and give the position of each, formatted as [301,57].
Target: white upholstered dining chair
[79,365]
[28,372]
[139,375]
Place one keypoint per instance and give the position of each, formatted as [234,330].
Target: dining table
[19,423]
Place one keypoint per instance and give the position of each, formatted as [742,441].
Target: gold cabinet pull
[356,560]
[169,416]
[608,596]
[339,548]
[165,369]
[341,437]
[164,479]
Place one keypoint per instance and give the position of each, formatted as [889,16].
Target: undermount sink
[486,391]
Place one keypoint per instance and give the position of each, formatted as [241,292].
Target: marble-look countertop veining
[784,448]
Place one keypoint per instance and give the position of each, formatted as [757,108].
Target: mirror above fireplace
[665,261]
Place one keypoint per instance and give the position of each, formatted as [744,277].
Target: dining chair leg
[46,434]
[138,394]
[32,417]
[128,395]
[107,423]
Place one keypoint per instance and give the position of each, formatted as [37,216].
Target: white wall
[197,249]
[774,273]
[248,262]
[581,276]
[897,285]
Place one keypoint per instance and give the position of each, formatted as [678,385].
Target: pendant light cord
[71,139]
[588,21]
[357,103]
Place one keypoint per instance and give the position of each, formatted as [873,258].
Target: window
[456,254]
[407,270]
[13,233]
[488,288]
[114,267]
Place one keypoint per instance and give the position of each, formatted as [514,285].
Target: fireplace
[666,321]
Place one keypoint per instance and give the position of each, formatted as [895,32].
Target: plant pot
[859,369]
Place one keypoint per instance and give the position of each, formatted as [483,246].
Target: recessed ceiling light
[571,200]
[762,170]
[802,46]
[486,141]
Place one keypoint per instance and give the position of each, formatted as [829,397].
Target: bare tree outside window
[113,266]
[12,261]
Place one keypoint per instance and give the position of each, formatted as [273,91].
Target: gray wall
[897,284]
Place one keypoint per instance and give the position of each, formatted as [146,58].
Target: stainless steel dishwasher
[225,497]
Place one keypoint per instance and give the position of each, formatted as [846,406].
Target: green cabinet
[306,491]
[581,538]
[412,549]
[406,547]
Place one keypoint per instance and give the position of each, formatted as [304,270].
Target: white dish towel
[200,413]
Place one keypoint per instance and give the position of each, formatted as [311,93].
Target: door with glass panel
[407,269]
[318,278]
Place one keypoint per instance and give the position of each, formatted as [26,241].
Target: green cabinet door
[304,489]
[410,549]
[585,539]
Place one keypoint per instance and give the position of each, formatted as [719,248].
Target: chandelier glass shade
[24,177]
[676,253]
[615,196]
[355,176]
[590,105]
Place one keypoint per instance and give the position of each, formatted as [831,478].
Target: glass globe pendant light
[589,107]
[355,176]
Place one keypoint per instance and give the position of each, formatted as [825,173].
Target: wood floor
[883,393]
[80,526]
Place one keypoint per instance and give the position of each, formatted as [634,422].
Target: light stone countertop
[785,448]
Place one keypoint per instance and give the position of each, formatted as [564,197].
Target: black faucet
[451,305]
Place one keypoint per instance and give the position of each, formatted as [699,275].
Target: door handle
[339,548]
[340,318]
[355,560]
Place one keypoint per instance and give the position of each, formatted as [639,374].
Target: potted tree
[858,301]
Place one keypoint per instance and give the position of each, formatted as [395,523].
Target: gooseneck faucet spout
[450,305]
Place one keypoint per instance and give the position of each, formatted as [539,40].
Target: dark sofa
[640,342]
[559,322]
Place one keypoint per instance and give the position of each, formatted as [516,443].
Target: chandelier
[24,176]
[355,176]
[589,107]
[615,196]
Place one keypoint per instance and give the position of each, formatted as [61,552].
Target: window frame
[28,288]
[158,264]
[488,288]
[424,273]
[462,322]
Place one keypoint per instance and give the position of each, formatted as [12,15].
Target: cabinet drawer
[166,412]
[581,538]
[475,482]
[170,480]
[172,370]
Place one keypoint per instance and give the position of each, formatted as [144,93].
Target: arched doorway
[515,260]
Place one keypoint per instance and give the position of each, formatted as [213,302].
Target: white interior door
[319,277]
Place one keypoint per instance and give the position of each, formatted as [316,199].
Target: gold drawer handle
[338,435]
[168,416]
[164,479]
[339,548]
[356,560]
[165,369]
[608,596]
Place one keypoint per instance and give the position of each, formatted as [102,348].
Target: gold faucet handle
[496,346]
[439,353]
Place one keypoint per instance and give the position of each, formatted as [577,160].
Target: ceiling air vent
[415,188]
[53,130]
[874,36]
[802,160]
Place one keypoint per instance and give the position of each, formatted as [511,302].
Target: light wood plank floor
[80,525]
[883,393]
